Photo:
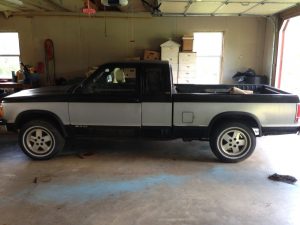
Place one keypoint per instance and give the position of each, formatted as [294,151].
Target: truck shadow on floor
[127,148]
[173,149]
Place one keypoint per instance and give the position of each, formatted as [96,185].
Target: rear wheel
[40,140]
[232,142]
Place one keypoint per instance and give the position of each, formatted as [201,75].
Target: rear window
[155,81]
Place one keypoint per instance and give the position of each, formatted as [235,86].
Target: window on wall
[209,50]
[9,54]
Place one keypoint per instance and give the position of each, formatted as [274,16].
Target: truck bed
[220,93]
[223,89]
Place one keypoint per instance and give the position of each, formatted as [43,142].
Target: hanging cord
[81,41]
[130,49]
[105,23]
[131,25]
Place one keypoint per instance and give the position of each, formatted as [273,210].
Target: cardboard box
[187,43]
[129,72]
[133,58]
[151,55]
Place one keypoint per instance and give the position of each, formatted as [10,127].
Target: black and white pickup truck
[138,99]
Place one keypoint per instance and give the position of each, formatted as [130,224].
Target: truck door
[108,102]
[156,100]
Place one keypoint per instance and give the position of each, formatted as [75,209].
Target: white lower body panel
[105,114]
[200,114]
[157,114]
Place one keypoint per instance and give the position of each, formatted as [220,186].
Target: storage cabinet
[187,67]
[169,52]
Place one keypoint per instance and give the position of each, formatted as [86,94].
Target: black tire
[232,142]
[40,140]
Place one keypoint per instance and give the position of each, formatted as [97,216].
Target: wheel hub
[39,140]
[233,142]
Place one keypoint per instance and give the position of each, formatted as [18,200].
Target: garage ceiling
[223,7]
[166,7]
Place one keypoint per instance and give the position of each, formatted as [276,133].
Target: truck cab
[124,99]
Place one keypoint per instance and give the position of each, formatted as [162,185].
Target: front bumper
[3,127]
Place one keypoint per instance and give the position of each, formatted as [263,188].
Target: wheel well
[28,116]
[246,119]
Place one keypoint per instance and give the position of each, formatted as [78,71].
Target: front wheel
[232,142]
[40,140]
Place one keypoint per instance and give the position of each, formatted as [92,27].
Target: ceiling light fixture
[245,3]
[114,2]
[16,2]
[88,9]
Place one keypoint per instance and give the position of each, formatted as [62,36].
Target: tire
[40,140]
[232,142]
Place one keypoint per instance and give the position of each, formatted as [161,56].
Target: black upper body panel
[45,94]
[146,90]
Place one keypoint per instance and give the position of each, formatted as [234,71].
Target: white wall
[81,42]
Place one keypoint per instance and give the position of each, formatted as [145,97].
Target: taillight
[1,111]
[298,113]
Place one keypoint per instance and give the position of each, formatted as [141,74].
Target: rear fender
[243,117]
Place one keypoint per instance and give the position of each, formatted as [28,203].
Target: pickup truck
[138,99]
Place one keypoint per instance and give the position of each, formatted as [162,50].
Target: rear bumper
[3,127]
[280,130]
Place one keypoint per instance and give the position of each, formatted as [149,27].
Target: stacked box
[151,55]
[187,43]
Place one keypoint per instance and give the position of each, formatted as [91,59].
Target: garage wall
[81,42]
[269,47]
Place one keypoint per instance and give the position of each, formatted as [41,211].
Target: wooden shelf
[14,85]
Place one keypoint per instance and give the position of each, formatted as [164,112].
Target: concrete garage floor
[146,182]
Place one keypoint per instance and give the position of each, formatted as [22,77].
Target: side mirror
[79,88]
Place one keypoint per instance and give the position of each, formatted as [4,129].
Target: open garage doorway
[288,61]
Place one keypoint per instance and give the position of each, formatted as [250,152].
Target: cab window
[113,79]
[155,81]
